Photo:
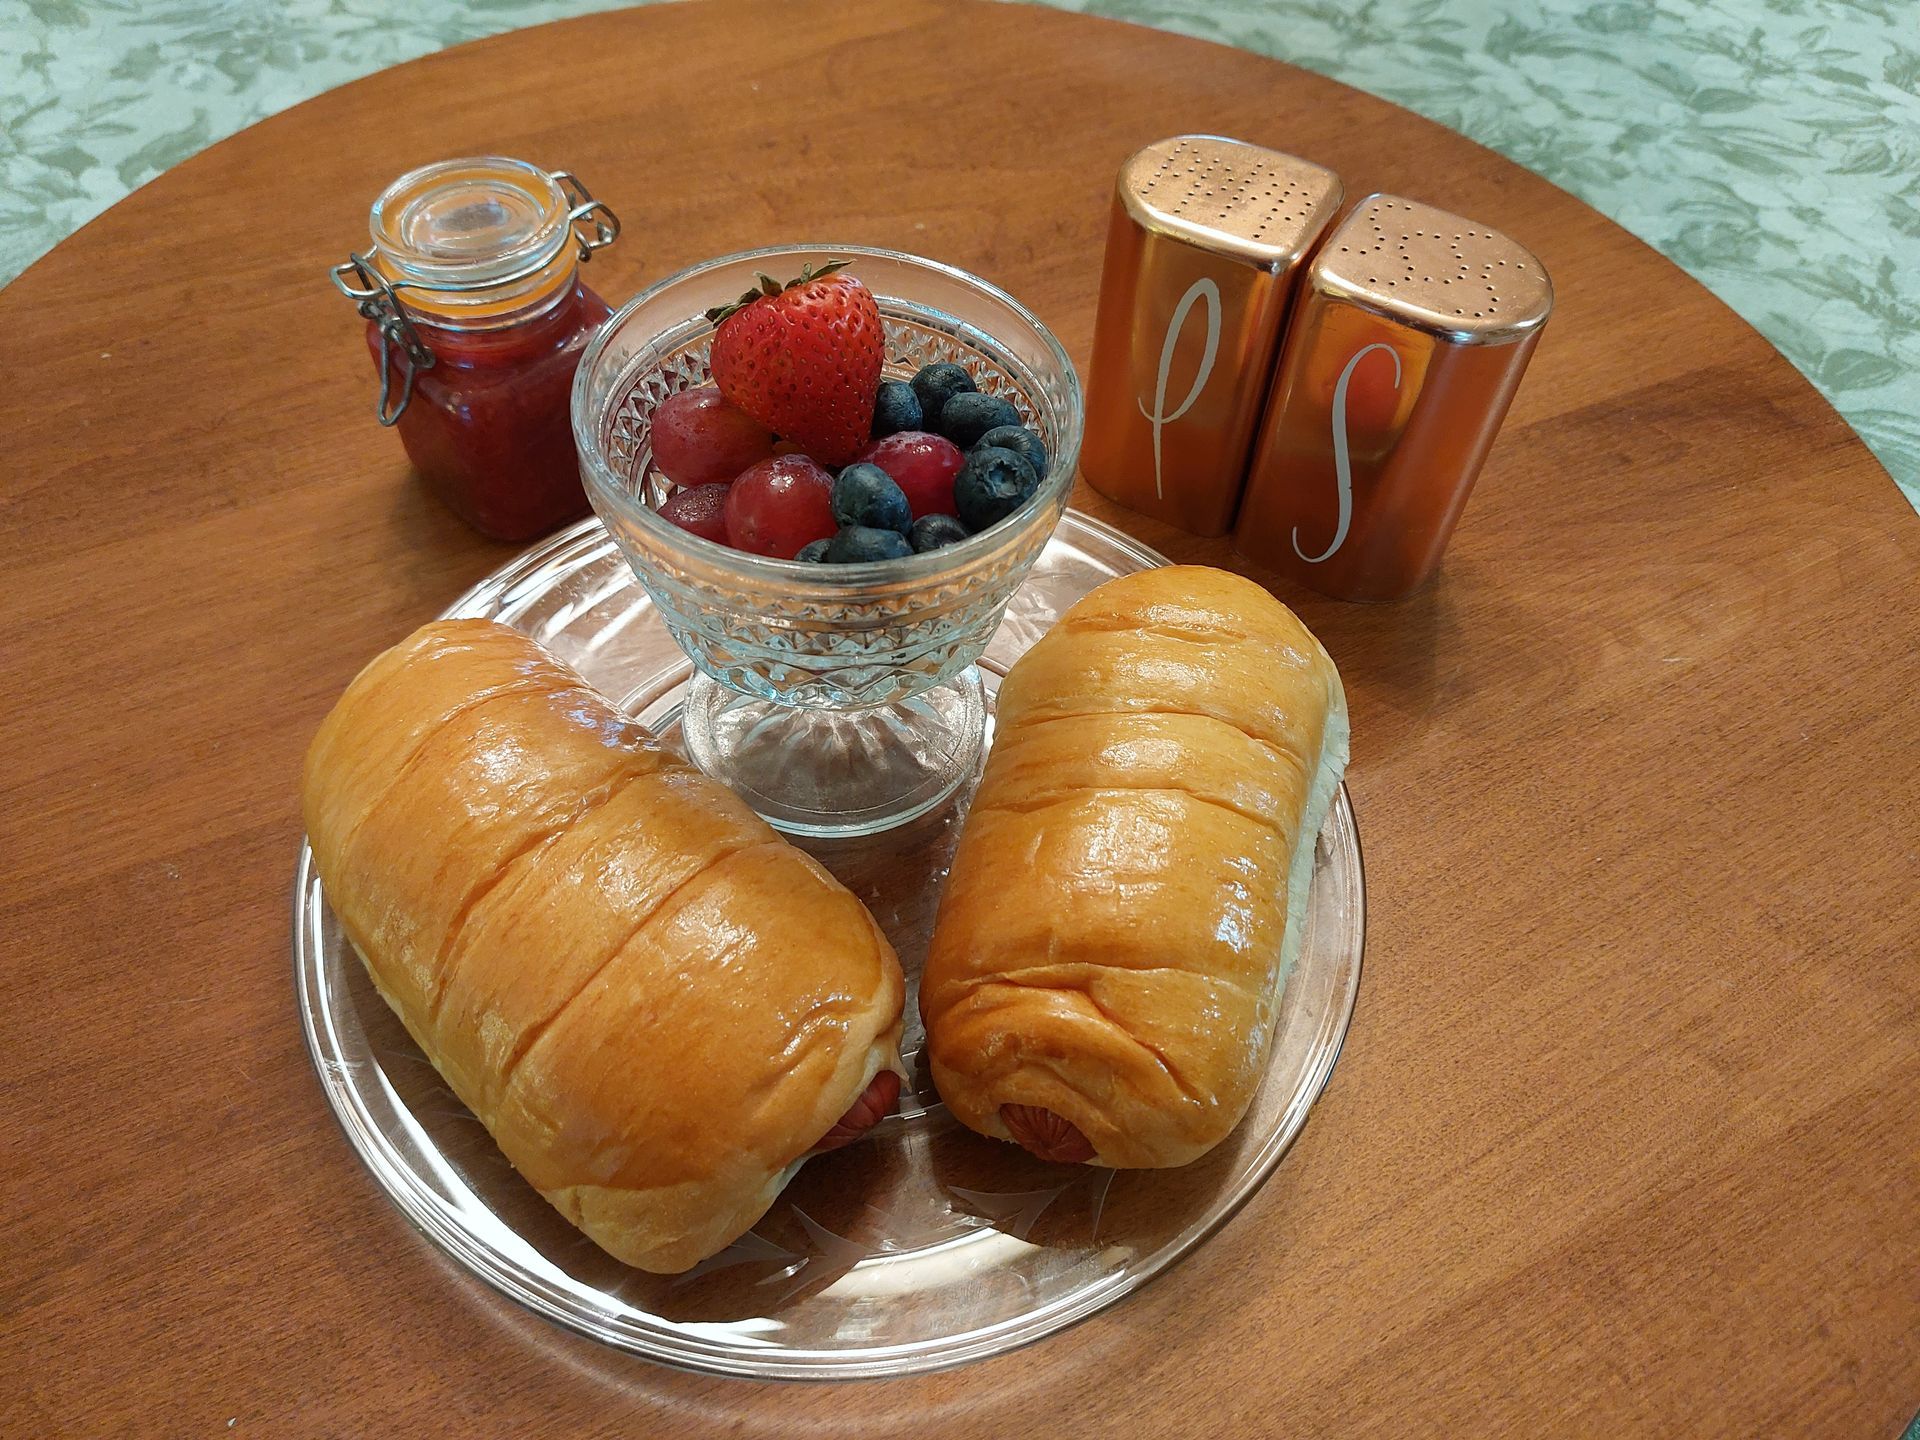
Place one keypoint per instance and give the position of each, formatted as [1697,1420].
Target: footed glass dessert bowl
[835,699]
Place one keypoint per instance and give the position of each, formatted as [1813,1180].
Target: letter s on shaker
[1342,465]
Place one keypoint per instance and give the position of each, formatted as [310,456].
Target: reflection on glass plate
[923,1247]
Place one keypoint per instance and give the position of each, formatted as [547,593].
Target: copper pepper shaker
[1412,332]
[1207,239]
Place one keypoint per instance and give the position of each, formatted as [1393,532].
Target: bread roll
[655,1004]
[1128,890]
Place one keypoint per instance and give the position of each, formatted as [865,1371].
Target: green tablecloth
[1771,147]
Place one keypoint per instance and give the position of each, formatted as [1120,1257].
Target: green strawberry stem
[769,287]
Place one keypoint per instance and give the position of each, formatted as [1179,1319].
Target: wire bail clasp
[582,208]
[360,281]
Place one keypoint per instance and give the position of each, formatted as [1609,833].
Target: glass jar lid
[468,244]
[464,224]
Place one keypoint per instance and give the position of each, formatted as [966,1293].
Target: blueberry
[1022,441]
[896,408]
[930,532]
[969,415]
[991,485]
[862,542]
[867,495]
[936,384]
[813,552]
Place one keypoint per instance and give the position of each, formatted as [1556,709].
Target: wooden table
[1627,1135]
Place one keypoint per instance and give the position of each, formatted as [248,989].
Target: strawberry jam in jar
[476,319]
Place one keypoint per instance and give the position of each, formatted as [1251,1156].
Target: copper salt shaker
[1206,243]
[1409,340]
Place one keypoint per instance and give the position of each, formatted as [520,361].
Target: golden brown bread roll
[655,1004]
[1127,892]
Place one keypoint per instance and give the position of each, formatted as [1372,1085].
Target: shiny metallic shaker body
[1410,337]
[1204,251]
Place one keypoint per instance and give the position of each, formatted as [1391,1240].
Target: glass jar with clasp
[476,320]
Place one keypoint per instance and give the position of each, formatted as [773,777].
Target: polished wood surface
[1626,1139]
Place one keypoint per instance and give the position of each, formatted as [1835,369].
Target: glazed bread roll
[655,1005]
[1127,893]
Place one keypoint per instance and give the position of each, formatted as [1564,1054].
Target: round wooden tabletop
[1627,1134]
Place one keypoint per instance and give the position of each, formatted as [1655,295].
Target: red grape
[921,464]
[699,439]
[701,510]
[779,505]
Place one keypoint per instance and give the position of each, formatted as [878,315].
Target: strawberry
[804,359]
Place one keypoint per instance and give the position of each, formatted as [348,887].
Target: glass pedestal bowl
[834,699]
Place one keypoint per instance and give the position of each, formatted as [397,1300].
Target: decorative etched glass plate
[925,1245]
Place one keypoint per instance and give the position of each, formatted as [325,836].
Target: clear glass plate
[922,1247]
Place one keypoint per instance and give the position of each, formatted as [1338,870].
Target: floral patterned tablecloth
[1771,147]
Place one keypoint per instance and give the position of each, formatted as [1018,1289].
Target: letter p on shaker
[1204,250]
